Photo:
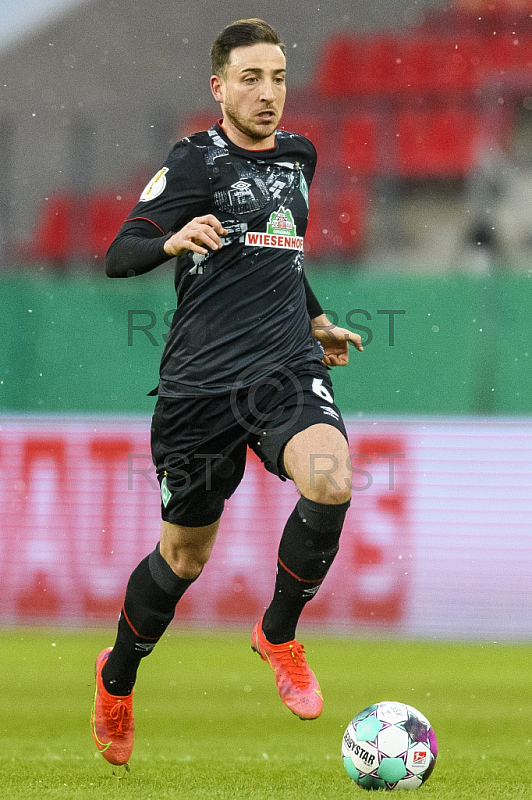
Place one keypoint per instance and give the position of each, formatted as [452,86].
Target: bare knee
[317,460]
[187,550]
[330,489]
[187,565]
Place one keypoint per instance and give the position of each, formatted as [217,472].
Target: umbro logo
[144,647]
[330,412]
[240,185]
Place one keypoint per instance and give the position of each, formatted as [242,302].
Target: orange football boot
[297,685]
[112,720]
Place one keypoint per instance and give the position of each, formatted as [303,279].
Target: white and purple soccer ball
[389,746]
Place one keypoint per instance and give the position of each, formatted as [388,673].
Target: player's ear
[216,88]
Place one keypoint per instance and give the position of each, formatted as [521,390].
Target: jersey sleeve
[309,157]
[313,304]
[312,161]
[178,192]
[138,248]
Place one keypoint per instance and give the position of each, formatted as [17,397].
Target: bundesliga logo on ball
[389,746]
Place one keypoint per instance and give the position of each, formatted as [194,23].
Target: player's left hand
[335,341]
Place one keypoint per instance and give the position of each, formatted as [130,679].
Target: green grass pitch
[209,723]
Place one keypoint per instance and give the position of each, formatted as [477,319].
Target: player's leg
[317,460]
[190,444]
[189,441]
[154,589]
[314,454]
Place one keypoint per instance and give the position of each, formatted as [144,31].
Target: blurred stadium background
[420,239]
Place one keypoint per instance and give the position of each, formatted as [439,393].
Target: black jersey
[241,310]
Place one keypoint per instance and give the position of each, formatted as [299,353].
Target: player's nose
[268,92]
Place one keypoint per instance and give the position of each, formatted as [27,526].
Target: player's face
[252,94]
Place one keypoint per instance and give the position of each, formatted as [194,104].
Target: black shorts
[199,443]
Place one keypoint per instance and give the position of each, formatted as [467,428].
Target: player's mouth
[267,116]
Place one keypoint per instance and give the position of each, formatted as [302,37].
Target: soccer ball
[389,746]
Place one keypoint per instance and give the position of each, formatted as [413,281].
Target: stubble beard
[253,134]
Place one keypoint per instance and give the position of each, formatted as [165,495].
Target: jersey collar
[267,151]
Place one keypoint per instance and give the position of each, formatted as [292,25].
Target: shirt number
[319,389]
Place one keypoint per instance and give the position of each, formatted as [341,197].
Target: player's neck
[243,141]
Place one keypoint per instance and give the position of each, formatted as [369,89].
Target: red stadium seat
[385,64]
[351,226]
[353,65]
[51,236]
[106,212]
[441,64]
[509,51]
[337,222]
[307,125]
[70,226]
[358,144]
[378,65]
[436,143]
[316,245]
[336,61]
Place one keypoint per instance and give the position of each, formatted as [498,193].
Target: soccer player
[245,365]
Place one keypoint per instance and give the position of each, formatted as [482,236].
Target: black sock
[152,594]
[307,549]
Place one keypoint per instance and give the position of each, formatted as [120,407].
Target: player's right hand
[197,235]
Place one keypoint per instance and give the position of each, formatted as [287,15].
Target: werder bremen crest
[282,223]
[166,494]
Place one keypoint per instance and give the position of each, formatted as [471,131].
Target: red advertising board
[81,507]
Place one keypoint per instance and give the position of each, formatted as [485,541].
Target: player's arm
[167,220]
[334,340]
[139,246]
[313,304]
[200,235]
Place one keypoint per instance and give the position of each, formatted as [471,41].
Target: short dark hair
[242,33]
